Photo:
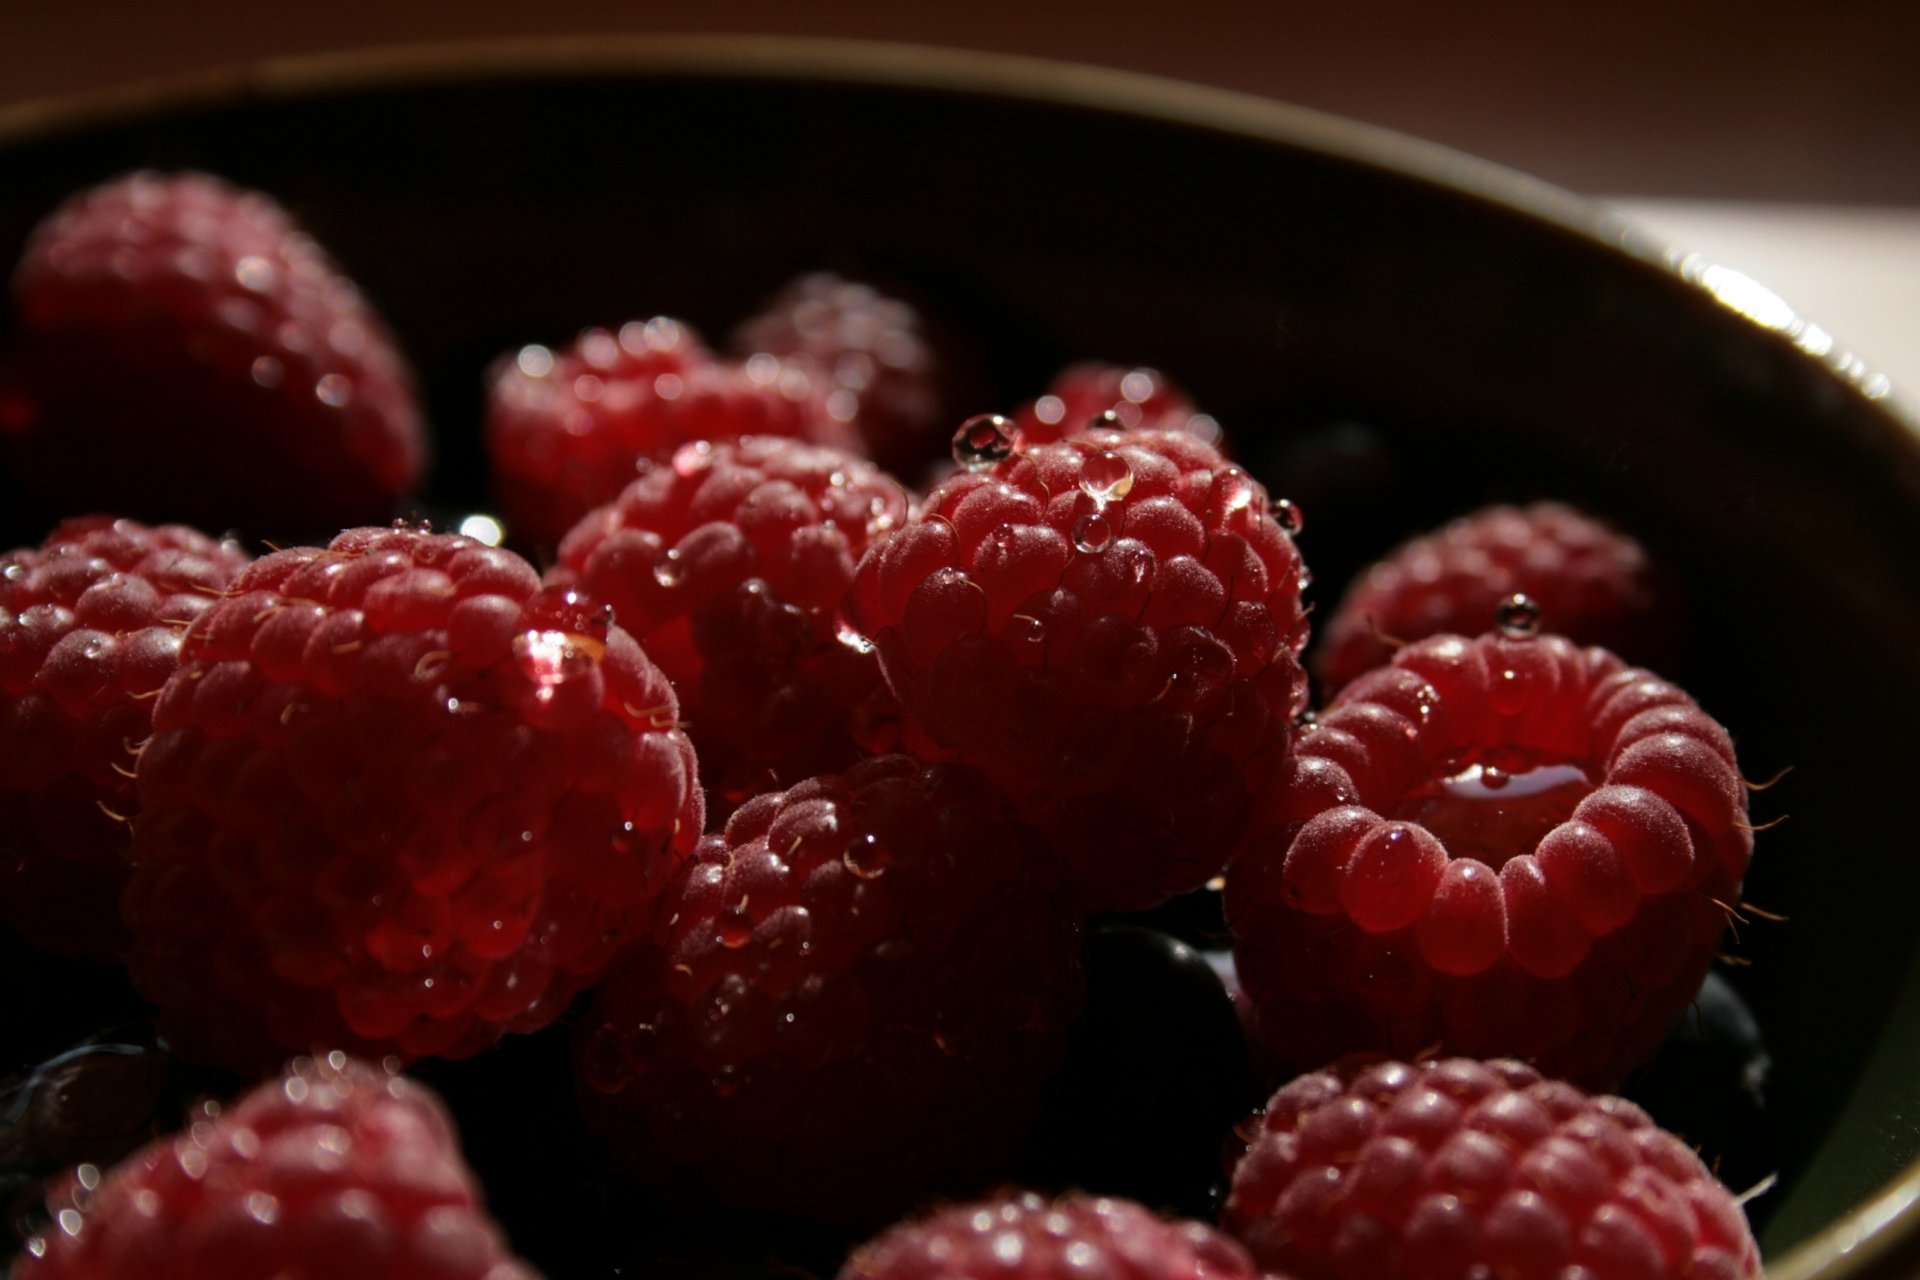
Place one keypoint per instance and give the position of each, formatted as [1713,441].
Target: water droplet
[1092,533]
[483,528]
[982,441]
[1024,628]
[550,658]
[569,609]
[1306,719]
[1233,491]
[1108,420]
[1518,617]
[867,856]
[693,457]
[1306,578]
[1105,477]
[1291,518]
[733,930]
[669,570]
[16,572]
[847,636]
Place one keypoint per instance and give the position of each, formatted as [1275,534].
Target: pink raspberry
[90,626]
[1589,583]
[1082,395]
[337,1168]
[874,353]
[185,351]
[851,996]
[1450,1168]
[565,429]
[1023,1236]
[400,799]
[1505,846]
[1107,627]
[729,564]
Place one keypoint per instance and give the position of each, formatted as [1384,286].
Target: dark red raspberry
[1443,1169]
[1589,583]
[337,1168]
[729,564]
[1501,846]
[872,350]
[1107,626]
[1023,1236]
[1082,395]
[566,428]
[399,799]
[852,995]
[90,627]
[185,351]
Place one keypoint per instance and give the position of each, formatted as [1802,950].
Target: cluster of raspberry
[794,788]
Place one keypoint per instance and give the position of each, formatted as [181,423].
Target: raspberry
[729,564]
[1107,626]
[1443,1169]
[1023,1236]
[852,995]
[871,349]
[338,1168]
[1504,846]
[398,799]
[565,429]
[185,351]
[89,630]
[1081,395]
[1589,583]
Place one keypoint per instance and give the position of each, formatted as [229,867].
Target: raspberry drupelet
[851,997]
[1442,1169]
[337,1168]
[1589,582]
[566,428]
[90,625]
[729,563]
[185,352]
[1503,846]
[1082,396]
[1024,1236]
[1108,627]
[398,799]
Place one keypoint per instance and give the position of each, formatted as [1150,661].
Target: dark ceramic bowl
[1495,338]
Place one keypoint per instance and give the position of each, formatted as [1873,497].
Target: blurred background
[1778,138]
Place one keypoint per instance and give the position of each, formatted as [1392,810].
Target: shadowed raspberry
[1443,1169]
[851,997]
[1106,626]
[729,564]
[184,351]
[1502,846]
[336,1169]
[1590,583]
[398,798]
[1082,395]
[566,428]
[1023,1236]
[871,349]
[90,626]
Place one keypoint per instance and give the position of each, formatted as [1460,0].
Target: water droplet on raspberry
[568,609]
[669,570]
[1518,617]
[982,441]
[1291,518]
[482,528]
[16,573]
[1024,628]
[1092,533]
[867,856]
[732,929]
[847,636]
[550,658]
[1233,491]
[1305,579]
[693,457]
[1106,477]
[1110,420]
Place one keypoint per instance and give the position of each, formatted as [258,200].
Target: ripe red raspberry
[1081,395]
[1023,1236]
[1503,846]
[337,1168]
[1443,1169]
[399,799]
[566,428]
[852,995]
[871,349]
[1590,583]
[729,564]
[185,351]
[1108,627]
[90,627]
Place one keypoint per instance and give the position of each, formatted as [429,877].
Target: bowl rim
[1873,1239]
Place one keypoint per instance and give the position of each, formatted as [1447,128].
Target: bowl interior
[1294,275]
